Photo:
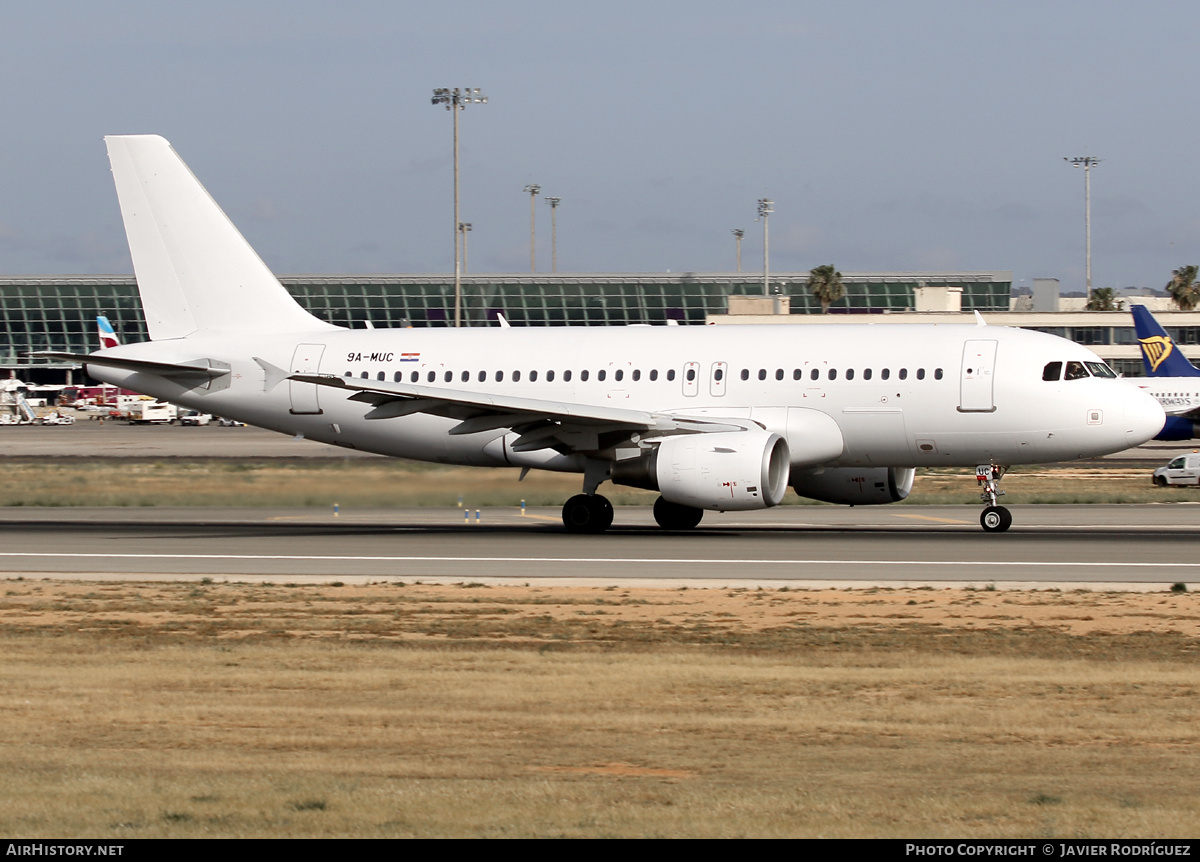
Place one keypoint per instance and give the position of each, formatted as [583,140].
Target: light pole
[738,233]
[1086,162]
[765,208]
[533,189]
[456,100]
[464,227]
[554,202]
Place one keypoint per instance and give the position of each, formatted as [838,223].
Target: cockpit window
[1052,371]
[1100,369]
[1075,371]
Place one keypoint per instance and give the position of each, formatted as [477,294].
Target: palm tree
[1183,288]
[1105,299]
[825,282]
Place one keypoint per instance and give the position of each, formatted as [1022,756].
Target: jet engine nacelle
[1177,428]
[727,471]
[853,486]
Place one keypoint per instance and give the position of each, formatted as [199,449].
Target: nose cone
[1144,417]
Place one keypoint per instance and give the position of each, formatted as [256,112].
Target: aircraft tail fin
[108,337]
[195,271]
[1160,356]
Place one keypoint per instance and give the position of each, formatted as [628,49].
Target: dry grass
[383,482]
[409,710]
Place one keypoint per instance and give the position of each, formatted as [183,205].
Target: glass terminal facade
[59,312]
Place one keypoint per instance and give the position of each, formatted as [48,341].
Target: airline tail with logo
[1160,356]
[108,337]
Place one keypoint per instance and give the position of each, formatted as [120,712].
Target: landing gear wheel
[996,519]
[674,516]
[585,513]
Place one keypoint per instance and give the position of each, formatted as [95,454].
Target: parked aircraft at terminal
[1170,377]
[720,417]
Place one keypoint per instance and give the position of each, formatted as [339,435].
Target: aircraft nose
[1144,417]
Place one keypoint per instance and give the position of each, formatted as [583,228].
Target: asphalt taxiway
[1098,547]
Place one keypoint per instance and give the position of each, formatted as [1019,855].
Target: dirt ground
[612,616]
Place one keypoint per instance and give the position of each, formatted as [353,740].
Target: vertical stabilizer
[195,271]
[1160,356]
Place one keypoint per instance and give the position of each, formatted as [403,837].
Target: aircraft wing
[542,424]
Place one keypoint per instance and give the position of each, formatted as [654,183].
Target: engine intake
[727,471]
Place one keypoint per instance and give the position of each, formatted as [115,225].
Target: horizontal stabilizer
[162,369]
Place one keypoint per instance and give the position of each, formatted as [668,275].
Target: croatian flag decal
[410,357]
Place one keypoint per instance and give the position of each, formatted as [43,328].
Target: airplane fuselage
[899,395]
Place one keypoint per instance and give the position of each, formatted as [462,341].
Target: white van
[1184,470]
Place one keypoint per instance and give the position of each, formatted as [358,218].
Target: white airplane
[717,418]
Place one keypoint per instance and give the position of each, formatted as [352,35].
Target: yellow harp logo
[1156,348]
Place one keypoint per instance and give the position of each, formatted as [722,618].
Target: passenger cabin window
[379,376]
[849,373]
[1052,371]
[483,377]
[601,374]
[796,373]
[431,376]
[691,374]
[745,373]
[414,377]
[583,375]
[653,374]
[937,374]
[466,376]
[637,374]
[499,376]
[670,374]
[885,374]
[620,375]
[816,373]
[448,376]
[364,375]
[833,374]
[778,373]
[533,377]
[920,373]
[762,374]
[549,376]
[866,374]
[903,373]
[567,376]
[516,377]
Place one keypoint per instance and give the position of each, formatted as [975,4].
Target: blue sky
[891,135]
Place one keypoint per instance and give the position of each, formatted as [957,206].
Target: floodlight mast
[464,227]
[1086,162]
[554,202]
[533,189]
[766,206]
[738,233]
[456,100]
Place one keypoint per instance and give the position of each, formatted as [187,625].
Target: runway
[1098,547]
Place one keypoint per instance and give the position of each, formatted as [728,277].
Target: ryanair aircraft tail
[195,271]
[1160,356]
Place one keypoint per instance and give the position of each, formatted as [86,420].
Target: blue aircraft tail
[1160,356]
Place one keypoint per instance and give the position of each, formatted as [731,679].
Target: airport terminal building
[58,312]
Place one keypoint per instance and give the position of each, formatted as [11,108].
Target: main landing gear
[994,519]
[675,516]
[587,513]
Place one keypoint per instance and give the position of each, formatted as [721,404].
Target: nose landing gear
[994,519]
